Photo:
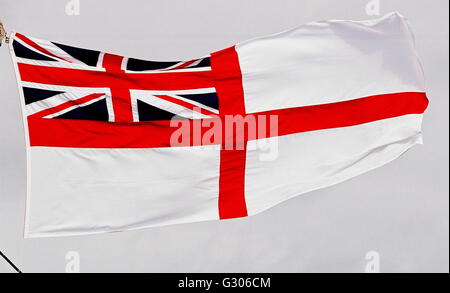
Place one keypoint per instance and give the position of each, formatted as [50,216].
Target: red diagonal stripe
[183,65]
[37,47]
[65,105]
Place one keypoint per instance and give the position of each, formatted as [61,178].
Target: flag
[116,143]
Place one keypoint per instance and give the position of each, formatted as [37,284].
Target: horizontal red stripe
[141,81]
[349,113]
[96,134]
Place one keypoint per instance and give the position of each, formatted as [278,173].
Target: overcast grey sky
[400,210]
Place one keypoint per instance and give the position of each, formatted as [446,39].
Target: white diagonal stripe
[62,88]
[195,104]
[172,107]
[73,107]
[51,102]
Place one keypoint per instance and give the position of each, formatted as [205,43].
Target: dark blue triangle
[23,52]
[150,113]
[204,63]
[97,111]
[88,57]
[141,65]
[210,99]
[32,95]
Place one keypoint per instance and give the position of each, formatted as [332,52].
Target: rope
[3,34]
[10,262]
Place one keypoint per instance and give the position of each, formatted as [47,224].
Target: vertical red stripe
[228,82]
[232,184]
[120,96]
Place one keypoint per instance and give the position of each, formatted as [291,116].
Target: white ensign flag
[118,143]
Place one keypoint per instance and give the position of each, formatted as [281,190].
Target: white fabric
[319,63]
[84,191]
[317,159]
[326,62]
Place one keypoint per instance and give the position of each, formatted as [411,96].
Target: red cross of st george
[226,77]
